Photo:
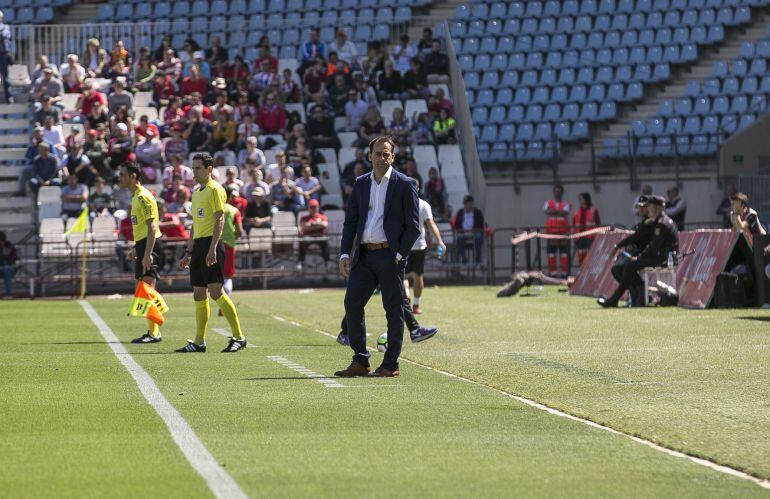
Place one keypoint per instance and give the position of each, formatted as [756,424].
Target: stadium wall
[747,153]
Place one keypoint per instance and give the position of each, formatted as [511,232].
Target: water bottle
[670,262]
[440,252]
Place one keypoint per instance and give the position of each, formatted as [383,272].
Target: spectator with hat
[203,67]
[46,87]
[94,58]
[258,212]
[120,147]
[194,82]
[47,109]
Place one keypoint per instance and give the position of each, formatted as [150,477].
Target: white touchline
[550,410]
[221,484]
[326,381]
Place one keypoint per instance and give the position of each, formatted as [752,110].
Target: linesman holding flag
[147,246]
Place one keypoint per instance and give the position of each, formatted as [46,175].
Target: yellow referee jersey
[143,208]
[206,201]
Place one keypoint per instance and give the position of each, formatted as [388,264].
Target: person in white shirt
[53,134]
[251,152]
[345,49]
[275,170]
[72,74]
[415,264]
[311,187]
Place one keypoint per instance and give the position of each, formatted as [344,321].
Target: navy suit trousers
[373,268]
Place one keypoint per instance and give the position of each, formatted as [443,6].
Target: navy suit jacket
[401,221]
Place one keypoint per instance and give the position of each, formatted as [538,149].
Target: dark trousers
[630,280]
[5,61]
[478,242]
[409,320]
[373,268]
[323,245]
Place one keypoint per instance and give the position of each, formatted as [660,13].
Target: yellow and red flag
[148,303]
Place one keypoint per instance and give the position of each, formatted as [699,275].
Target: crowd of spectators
[235,110]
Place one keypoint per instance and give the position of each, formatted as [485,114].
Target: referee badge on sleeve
[200,212]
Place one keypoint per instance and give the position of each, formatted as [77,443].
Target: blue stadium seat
[663,36]
[462,11]
[740,104]
[510,78]
[517,61]
[645,147]
[534,113]
[480,114]
[584,23]
[746,120]
[529,78]
[589,111]
[499,62]
[673,125]
[580,130]
[681,35]
[654,19]
[690,17]
[548,77]
[692,125]
[552,112]
[504,96]
[682,145]
[106,12]
[529,26]
[570,112]
[596,40]
[739,67]
[661,72]
[654,126]
[715,34]
[559,42]
[764,85]
[143,11]
[457,29]
[560,94]
[729,123]
[534,8]
[125,11]
[616,92]
[554,60]
[199,8]
[759,103]
[726,16]
[666,107]
[619,22]
[179,9]
[634,92]
[578,93]
[485,98]
[479,10]
[475,27]
[570,8]
[671,18]
[603,56]
[643,73]
[498,10]
[604,74]
[629,38]
[490,79]
[488,44]
[523,96]
[535,60]
[750,85]
[578,41]
[507,132]
[707,17]
[683,106]
[484,150]
[465,62]
[543,131]
[730,85]
[541,95]
[515,114]
[742,15]
[541,42]
[525,132]
[470,45]
[607,111]
[664,147]
[44,15]
[488,133]
[624,74]
[758,67]
[505,45]
[638,20]
[585,75]
[637,55]
[562,130]
[512,26]
[481,62]
[552,8]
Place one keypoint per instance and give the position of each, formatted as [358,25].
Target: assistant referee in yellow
[205,256]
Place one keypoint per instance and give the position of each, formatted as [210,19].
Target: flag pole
[83,267]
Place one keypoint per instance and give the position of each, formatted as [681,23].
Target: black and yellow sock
[202,313]
[227,307]
[153,329]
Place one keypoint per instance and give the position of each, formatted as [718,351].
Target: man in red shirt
[193,83]
[88,98]
[162,89]
[144,125]
[194,100]
[271,117]
[315,225]
[239,202]
[264,55]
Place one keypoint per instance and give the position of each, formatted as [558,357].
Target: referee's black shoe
[147,338]
[191,347]
[234,345]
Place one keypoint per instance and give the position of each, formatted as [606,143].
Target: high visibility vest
[585,219]
[557,224]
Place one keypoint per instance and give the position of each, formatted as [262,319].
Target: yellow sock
[201,320]
[227,307]
[153,329]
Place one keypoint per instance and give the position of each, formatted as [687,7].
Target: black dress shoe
[606,303]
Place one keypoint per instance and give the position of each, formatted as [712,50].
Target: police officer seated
[657,236]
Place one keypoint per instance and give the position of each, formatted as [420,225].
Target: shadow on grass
[757,318]
[273,378]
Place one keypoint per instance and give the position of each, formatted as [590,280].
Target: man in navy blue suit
[382,217]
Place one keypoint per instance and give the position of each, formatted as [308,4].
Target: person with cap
[258,213]
[119,97]
[203,67]
[744,218]
[634,243]
[48,109]
[313,225]
[46,87]
[664,242]
[94,58]
[6,56]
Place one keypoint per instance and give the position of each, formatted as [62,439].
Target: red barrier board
[705,254]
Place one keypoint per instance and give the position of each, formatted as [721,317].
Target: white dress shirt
[373,230]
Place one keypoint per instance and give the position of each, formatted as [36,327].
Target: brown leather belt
[375,246]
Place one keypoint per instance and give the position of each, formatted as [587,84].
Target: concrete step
[12,154]
[14,124]
[15,203]
[8,186]
[10,171]
[13,140]
[15,219]
[13,109]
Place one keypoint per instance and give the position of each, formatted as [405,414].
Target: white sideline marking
[765,484]
[327,382]
[221,484]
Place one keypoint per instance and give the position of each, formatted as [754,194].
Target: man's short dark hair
[558,186]
[383,138]
[467,199]
[205,158]
[132,169]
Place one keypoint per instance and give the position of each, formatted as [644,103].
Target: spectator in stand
[72,74]
[193,83]
[290,91]
[198,132]
[338,95]
[399,128]
[438,102]
[221,104]
[425,44]
[149,155]
[47,87]
[72,139]
[169,192]
[235,199]
[255,176]
[359,169]
[224,136]
[370,128]
[320,129]
[355,111]
[47,109]
[258,212]
[403,53]
[676,207]
[162,89]
[119,70]
[95,149]
[252,152]
[53,134]
[7,264]
[78,164]
[194,102]
[313,225]
[437,63]
[121,116]
[144,74]
[119,149]
[275,170]
[311,50]
[165,46]
[236,73]
[309,186]
[243,107]
[45,170]
[247,130]
[119,53]
[120,97]
[203,67]
[271,116]
[216,54]
[410,170]
[335,66]
[263,54]
[469,225]
[358,157]
[170,66]
[444,129]
[42,63]
[389,85]
[320,101]
[145,126]
[74,196]
[173,229]
[345,49]
[415,82]
[365,91]
[231,178]
[182,206]
[97,118]
[99,201]
[189,47]
[435,192]
[89,96]
[176,145]
[585,218]
[283,193]
[177,168]
[95,59]
[314,80]
[173,116]
[262,78]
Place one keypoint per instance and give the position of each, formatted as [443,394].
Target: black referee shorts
[157,255]
[201,275]
[416,262]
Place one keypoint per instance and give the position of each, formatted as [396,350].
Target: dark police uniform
[639,239]
[665,239]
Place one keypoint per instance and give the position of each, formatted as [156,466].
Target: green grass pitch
[74,424]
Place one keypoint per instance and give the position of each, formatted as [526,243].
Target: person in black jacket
[665,240]
[320,129]
[634,243]
[468,224]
